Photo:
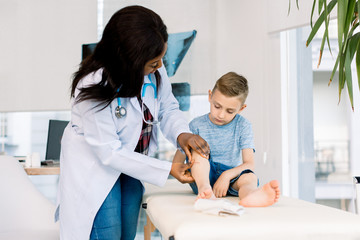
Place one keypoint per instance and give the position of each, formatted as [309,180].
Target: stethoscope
[120,111]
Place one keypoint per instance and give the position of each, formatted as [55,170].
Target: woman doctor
[118,95]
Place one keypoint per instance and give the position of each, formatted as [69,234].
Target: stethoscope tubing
[120,111]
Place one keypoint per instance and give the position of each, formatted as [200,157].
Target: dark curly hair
[133,36]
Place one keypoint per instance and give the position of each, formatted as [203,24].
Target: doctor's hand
[189,141]
[180,171]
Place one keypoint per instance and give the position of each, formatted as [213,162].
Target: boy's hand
[221,185]
[181,173]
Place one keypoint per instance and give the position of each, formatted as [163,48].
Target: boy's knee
[197,158]
[248,177]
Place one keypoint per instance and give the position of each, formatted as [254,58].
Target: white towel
[221,207]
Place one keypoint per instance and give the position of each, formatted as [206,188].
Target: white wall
[244,46]
[199,65]
[240,36]
[40,48]
[280,19]
[248,42]
[233,35]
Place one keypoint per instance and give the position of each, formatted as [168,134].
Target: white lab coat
[97,147]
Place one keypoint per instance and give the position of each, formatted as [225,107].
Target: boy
[229,169]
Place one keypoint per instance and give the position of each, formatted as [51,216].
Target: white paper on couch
[220,207]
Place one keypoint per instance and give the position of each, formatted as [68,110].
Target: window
[321,130]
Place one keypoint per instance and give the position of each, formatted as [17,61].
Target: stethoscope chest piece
[120,112]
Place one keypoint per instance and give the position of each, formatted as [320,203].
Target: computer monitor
[88,49]
[178,45]
[53,145]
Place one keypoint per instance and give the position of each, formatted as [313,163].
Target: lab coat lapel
[135,103]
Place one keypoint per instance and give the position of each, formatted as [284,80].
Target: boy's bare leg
[200,172]
[252,196]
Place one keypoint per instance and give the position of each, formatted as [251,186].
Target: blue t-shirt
[225,141]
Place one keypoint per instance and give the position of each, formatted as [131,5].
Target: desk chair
[24,212]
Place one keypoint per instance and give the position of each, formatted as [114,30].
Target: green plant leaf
[322,46]
[342,40]
[327,19]
[320,5]
[289,7]
[353,41]
[349,16]
[297,5]
[320,21]
[341,73]
[349,41]
[312,13]
[349,78]
[326,32]
[353,45]
[357,61]
[335,68]
[346,53]
[355,12]
[341,14]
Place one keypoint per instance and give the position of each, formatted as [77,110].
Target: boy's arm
[223,182]
[248,163]
[179,170]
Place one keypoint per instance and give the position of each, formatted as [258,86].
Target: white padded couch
[24,212]
[170,210]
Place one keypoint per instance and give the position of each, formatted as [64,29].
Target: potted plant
[348,38]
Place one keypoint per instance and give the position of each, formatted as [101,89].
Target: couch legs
[148,228]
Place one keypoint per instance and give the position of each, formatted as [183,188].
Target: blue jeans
[117,217]
[216,169]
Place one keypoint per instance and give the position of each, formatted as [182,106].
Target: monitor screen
[55,132]
[87,49]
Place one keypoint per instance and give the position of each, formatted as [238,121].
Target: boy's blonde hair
[233,85]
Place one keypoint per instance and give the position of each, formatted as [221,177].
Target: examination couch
[171,210]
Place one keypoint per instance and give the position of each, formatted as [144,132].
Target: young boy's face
[223,109]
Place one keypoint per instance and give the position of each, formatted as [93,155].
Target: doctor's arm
[101,134]
[173,124]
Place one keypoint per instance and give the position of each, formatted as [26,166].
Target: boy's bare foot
[206,193]
[262,197]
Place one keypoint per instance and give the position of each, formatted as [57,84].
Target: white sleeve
[172,119]
[100,133]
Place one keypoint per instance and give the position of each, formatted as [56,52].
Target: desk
[43,170]
[170,210]
[344,191]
